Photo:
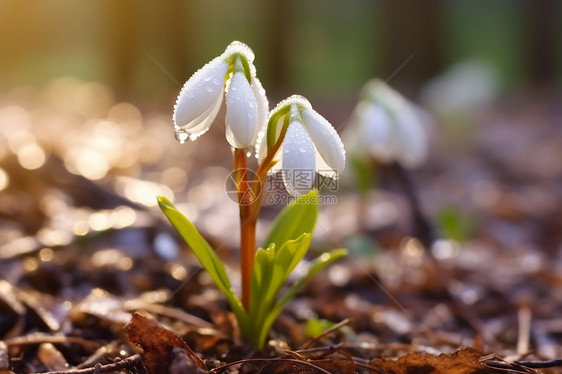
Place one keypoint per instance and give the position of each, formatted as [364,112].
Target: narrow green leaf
[279,273]
[295,219]
[286,259]
[261,278]
[318,264]
[203,251]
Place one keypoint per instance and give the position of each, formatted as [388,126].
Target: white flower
[388,127]
[201,97]
[311,145]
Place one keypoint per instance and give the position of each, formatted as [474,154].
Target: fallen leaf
[159,345]
[463,361]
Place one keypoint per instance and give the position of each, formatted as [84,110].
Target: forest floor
[93,279]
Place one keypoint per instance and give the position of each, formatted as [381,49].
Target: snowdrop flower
[388,127]
[201,97]
[310,145]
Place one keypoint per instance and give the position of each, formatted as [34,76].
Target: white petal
[377,132]
[327,142]
[263,105]
[411,140]
[200,94]
[205,120]
[241,112]
[299,160]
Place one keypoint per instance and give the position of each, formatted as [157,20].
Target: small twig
[540,364]
[178,314]
[328,331]
[38,338]
[524,335]
[329,348]
[99,368]
[268,360]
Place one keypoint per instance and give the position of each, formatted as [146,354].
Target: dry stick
[524,335]
[126,363]
[519,364]
[39,338]
[268,360]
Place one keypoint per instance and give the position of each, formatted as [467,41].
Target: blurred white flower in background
[388,127]
[465,88]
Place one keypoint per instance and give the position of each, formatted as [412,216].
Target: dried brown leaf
[463,361]
[52,357]
[158,345]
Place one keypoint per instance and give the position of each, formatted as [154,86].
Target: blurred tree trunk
[122,41]
[18,27]
[178,21]
[542,40]
[278,13]
[412,48]
[133,26]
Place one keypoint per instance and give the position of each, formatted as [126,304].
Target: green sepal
[272,125]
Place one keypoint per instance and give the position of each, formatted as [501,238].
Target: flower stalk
[248,223]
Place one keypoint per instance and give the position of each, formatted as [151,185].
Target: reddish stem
[247,224]
[249,199]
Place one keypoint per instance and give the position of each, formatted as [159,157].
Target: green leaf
[318,264]
[316,327]
[295,219]
[261,278]
[272,267]
[454,224]
[363,174]
[204,253]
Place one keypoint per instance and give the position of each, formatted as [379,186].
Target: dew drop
[181,135]
[302,150]
[209,89]
[208,78]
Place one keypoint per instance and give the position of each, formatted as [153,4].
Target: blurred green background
[326,48]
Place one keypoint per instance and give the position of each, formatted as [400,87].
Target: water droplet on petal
[181,135]
[209,89]
[208,78]
[302,150]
